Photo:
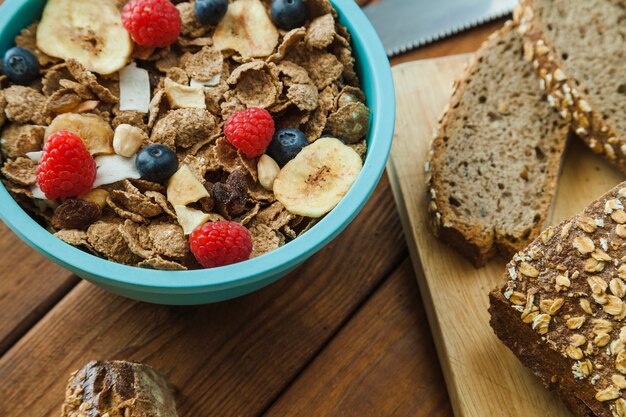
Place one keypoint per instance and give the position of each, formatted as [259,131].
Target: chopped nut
[267,170]
[128,139]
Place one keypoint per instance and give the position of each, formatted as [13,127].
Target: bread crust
[473,240]
[572,104]
[545,363]
[562,309]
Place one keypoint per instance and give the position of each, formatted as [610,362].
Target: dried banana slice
[94,131]
[247,29]
[89,31]
[314,182]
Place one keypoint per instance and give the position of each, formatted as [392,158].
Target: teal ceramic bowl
[211,285]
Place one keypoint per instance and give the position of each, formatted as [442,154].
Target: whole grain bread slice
[562,308]
[495,158]
[577,51]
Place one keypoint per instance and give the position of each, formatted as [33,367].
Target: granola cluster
[304,77]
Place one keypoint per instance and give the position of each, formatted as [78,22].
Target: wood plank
[29,286]
[381,364]
[483,377]
[227,359]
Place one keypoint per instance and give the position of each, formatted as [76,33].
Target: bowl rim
[110,273]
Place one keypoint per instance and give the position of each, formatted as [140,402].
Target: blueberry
[286,144]
[156,163]
[289,14]
[210,12]
[20,65]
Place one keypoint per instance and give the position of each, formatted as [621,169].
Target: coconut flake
[134,89]
[114,168]
[37,193]
[209,83]
[34,156]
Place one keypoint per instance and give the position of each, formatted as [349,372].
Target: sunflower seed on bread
[577,50]
[562,309]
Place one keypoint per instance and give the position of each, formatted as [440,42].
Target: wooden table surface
[343,335]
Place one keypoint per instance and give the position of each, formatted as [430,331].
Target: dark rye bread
[578,50]
[495,158]
[562,308]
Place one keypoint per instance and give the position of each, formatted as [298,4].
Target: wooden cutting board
[484,379]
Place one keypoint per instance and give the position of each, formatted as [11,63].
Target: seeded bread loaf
[118,389]
[495,158]
[577,49]
[562,309]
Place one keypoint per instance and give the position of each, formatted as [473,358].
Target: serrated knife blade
[406,24]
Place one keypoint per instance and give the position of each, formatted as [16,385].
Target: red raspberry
[250,131]
[66,168]
[220,243]
[153,23]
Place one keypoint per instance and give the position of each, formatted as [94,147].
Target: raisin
[208,203]
[75,214]
[232,195]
